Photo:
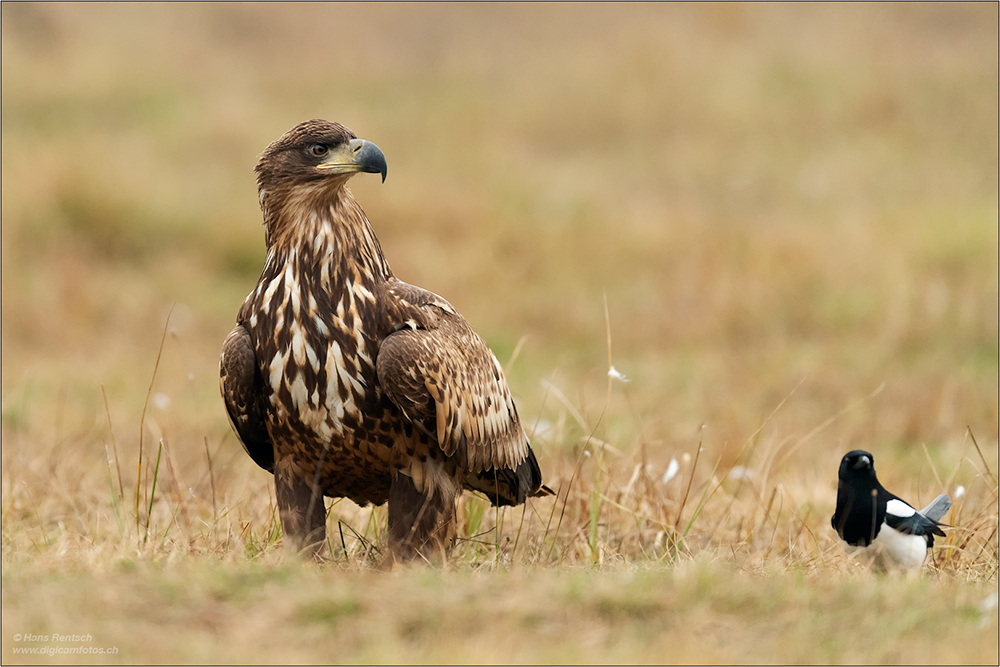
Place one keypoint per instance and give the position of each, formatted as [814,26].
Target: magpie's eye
[318,150]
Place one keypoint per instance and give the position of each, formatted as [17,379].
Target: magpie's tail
[938,508]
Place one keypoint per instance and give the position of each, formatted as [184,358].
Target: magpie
[876,522]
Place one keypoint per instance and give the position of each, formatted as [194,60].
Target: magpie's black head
[856,465]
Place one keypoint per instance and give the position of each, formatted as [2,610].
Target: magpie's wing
[903,518]
[938,508]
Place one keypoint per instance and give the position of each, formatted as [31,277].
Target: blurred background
[789,210]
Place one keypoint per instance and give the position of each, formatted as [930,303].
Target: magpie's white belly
[900,549]
[891,550]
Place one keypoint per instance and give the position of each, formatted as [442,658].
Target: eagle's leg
[422,521]
[302,511]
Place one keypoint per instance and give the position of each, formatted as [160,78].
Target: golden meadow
[778,223]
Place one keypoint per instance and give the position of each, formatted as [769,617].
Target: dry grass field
[780,223]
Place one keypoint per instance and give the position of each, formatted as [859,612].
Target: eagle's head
[307,167]
[315,151]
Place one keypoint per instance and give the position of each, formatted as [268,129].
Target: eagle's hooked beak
[356,155]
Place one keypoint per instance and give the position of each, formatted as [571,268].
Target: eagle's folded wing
[447,381]
[242,391]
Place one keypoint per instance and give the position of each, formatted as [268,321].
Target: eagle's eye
[318,150]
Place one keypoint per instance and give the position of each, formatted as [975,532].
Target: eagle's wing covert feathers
[446,380]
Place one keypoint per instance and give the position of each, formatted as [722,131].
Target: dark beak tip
[371,159]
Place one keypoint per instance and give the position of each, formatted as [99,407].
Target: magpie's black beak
[862,463]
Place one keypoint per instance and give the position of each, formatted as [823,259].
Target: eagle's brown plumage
[344,381]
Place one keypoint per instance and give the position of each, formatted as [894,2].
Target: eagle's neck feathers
[326,230]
